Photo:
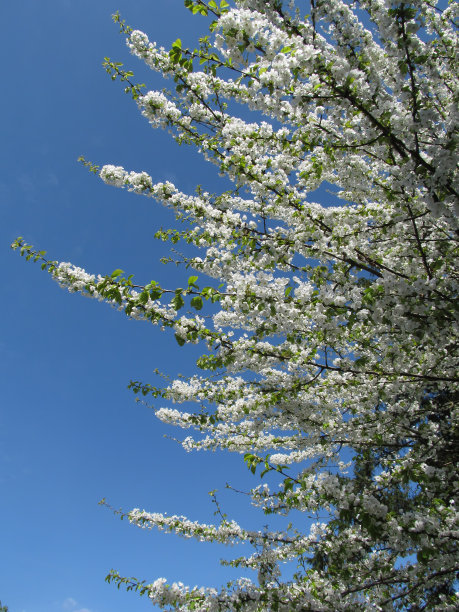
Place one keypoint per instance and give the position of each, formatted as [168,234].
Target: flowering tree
[332,342]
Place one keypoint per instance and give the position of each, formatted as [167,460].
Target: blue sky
[70,431]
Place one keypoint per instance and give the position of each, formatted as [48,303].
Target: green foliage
[115,70]
[92,167]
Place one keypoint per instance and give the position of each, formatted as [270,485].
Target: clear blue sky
[70,431]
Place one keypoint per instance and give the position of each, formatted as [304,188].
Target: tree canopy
[330,319]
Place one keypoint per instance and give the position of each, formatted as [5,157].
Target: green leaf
[116,273]
[143,297]
[403,67]
[156,293]
[175,54]
[178,301]
[196,302]
[180,340]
